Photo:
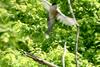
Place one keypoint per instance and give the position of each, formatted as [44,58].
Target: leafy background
[22,28]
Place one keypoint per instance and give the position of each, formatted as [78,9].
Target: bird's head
[54,5]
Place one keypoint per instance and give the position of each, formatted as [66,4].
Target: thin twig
[77,35]
[63,57]
[76,47]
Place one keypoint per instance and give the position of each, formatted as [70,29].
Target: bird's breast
[53,12]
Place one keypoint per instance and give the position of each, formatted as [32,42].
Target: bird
[55,13]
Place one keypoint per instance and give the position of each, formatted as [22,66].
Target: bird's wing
[65,19]
[46,4]
[60,16]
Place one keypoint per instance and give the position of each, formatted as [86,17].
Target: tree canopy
[23,24]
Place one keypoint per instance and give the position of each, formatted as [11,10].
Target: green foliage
[22,28]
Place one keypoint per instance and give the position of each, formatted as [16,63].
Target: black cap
[53,3]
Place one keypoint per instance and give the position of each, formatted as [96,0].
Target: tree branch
[77,35]
[63,57]
[76,47]
[39,60]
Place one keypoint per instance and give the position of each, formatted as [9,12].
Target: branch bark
[39,60]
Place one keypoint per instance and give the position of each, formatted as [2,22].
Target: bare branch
[63,57]
[77,35]
[76,50]
[39,60]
